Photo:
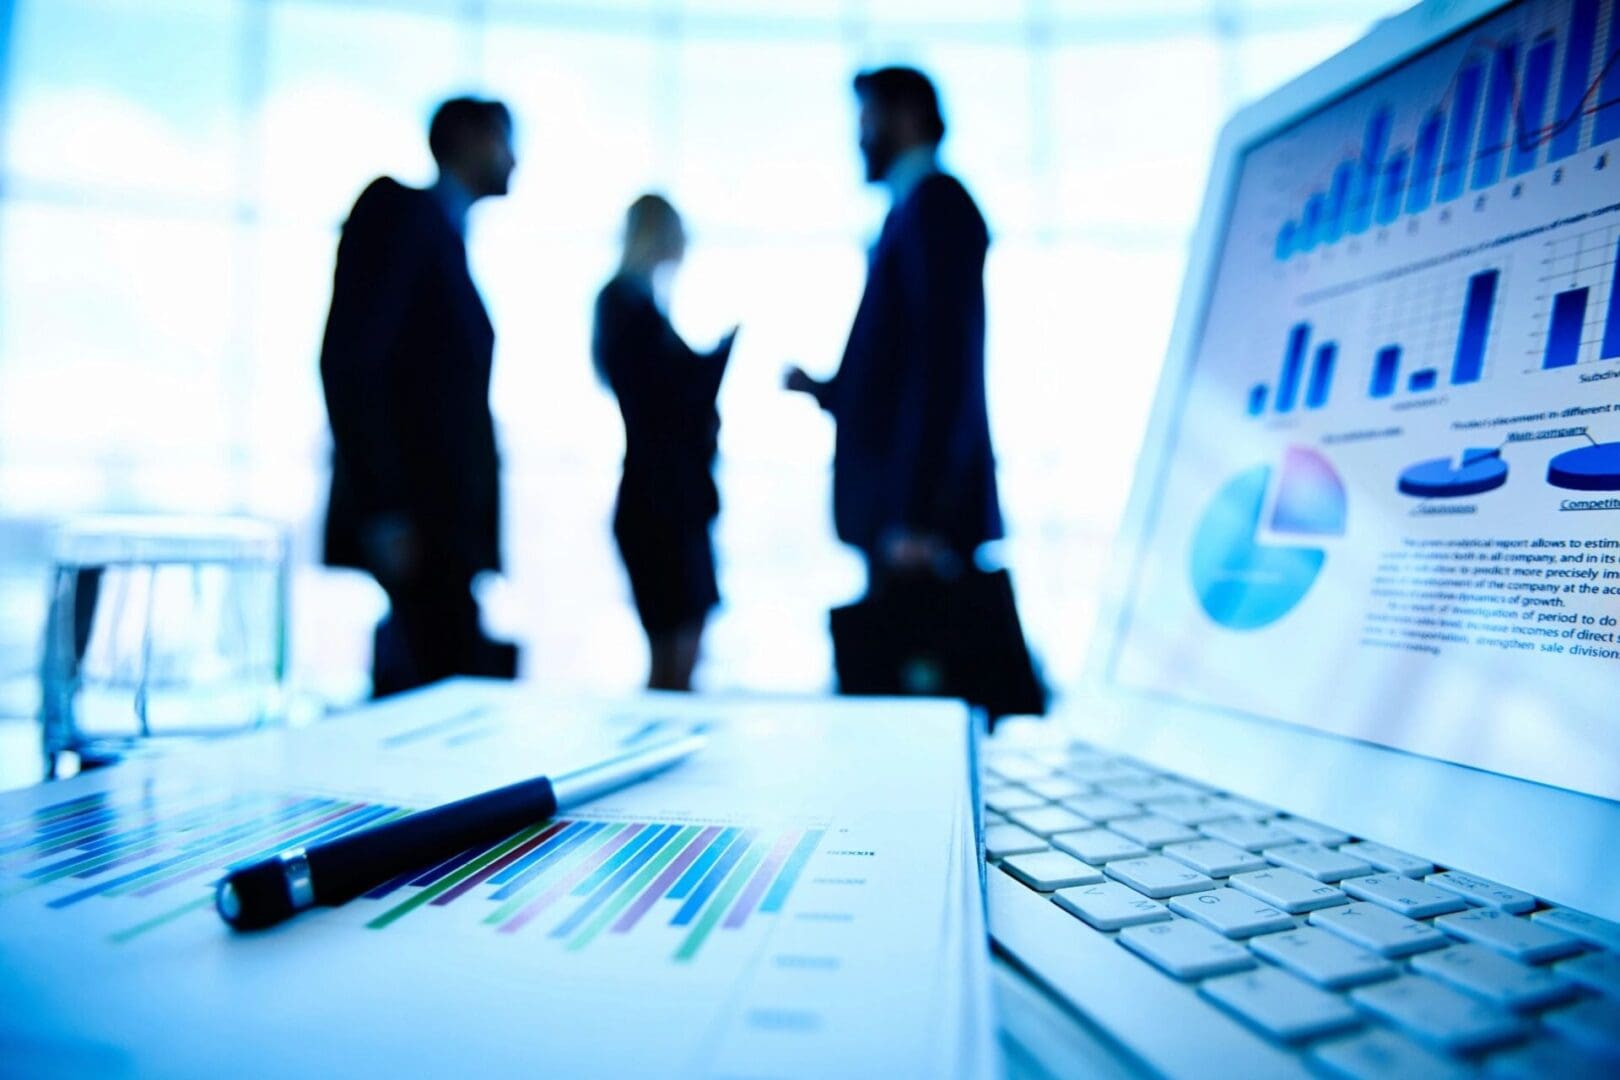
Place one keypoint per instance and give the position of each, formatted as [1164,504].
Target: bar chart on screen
[1520,99]
[1579,310]
[1433,327]
[569,881]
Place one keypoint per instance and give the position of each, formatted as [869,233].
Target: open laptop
[1343,795]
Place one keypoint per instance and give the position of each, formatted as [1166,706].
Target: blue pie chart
[1244,584]
[1588,468]
[1481,470]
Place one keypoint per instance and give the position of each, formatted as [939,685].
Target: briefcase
[926,635]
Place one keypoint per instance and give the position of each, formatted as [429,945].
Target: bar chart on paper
[750,912]
[568,881]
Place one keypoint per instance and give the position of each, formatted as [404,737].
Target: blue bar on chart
[1293,367]
[1493,132]
[1532,111]
[1469,363]
[1311,224]
[1460,135]
[1257,399]
[1365,190]
[1338,203]
[1575,81]
[1611,324]
[1564,331]
[1316,394]
[1420,381]
[1385,368]
[1607,125]
[1285,240]
[1393,187]
[1424,160]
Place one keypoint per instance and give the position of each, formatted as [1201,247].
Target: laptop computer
[1343,794]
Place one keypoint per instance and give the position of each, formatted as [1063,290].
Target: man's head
[899,112]
[472,140]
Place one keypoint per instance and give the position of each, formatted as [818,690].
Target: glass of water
[161,628]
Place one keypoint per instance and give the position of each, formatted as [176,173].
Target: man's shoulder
[387,199]
[941,198]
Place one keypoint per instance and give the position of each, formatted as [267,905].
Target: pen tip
[229,904]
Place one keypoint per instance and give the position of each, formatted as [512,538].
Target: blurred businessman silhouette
[666,391]
[405,365]
[914,484]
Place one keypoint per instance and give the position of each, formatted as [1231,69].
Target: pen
[336,871]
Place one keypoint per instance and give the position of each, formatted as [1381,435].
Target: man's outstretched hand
[795,380]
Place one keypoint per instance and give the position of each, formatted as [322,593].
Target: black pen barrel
[342,869]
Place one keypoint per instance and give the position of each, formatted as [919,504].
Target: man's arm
[379,257]
[796,380]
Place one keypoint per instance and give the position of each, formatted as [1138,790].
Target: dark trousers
[433,631]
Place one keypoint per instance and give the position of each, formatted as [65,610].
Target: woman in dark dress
[667,497]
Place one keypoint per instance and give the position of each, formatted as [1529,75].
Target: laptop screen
[1390,503]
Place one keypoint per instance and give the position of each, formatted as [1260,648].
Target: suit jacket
[406,368]
[666,395]
[913,445]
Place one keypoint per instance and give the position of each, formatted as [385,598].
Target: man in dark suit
[914,484]
[406,369]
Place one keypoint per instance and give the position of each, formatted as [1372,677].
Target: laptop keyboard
[1371,962]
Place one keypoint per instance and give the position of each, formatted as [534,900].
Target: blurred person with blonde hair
[666,391]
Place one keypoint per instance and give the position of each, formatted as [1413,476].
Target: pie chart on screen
[1244,582]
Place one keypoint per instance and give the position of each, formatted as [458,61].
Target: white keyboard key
[1185,949]
[1058,787]
[1387,858]
[1313,832]
[1594,1023]
[1010,797]
[1003,840]
[1477,890]
[1016,767]
[1152,831]
[1110,906]
[1314,860]
[1378,930]
[1279,1004]
[1380,1054]
[1400,893]
[1232,913]
[1214,857]
[1095,771]
[1048,870]
[1191,811]
[1097,846]
[1589,928]
[1326,960]
[1437,1014]
[1102,808]
[1510,935]
[1476,970]
[1157,876]
[1248,835]
[1046,820]
[1598,971]
[1138,791]
[1293,892]
[1245,808]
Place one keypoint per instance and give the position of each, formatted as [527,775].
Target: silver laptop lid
[1380,496]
